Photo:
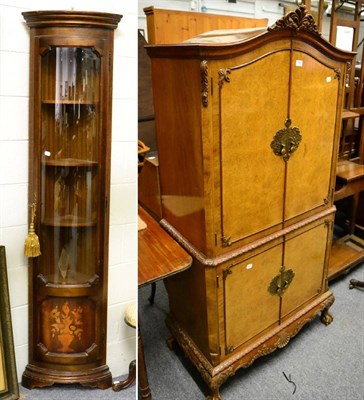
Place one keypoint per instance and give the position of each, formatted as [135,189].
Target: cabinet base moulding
[99,377]
[244,356]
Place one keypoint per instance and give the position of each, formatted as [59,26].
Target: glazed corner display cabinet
[71,59]
[247,152]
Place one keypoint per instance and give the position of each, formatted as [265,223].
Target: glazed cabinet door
[253,99]
[71,166]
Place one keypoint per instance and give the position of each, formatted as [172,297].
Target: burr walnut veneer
[247,136]
[71,59]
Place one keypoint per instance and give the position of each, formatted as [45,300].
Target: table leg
[117,386]
[152,294]
[142,371]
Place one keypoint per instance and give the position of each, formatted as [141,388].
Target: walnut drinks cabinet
[71,60]
[247,136]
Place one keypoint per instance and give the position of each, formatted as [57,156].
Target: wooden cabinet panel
[68,327]
[249,307]
[314,91]
[249,89]
[180,153]
[306,254]
[171,26]
[248,125]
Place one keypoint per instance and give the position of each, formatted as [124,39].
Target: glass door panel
[70,164]
[71,74]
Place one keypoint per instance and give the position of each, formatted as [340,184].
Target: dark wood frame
[11,391]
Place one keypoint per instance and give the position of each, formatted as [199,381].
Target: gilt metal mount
[226,241]
[281,282]
[286,140]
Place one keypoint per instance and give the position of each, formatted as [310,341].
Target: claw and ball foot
[326,318]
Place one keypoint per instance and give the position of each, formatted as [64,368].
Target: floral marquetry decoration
[66,325]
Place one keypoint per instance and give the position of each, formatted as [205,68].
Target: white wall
[14,92]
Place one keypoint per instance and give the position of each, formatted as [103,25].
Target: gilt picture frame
[9,388]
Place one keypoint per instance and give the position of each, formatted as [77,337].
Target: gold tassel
[31,245]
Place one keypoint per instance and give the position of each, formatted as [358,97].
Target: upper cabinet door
[253,100]
[313,109]
[277,137]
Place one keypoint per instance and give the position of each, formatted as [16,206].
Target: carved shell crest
[298,20]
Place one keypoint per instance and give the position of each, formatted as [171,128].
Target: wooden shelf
[71,102]
[69,221]
[346,253]
[73,280]
[349,171]
[347,114]
[70,162]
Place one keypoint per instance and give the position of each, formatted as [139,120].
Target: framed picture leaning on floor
[9,389]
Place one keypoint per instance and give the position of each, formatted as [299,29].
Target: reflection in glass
[70,164]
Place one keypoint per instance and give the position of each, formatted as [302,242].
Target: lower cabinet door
[68,330]
[305,255]
[260,291]
[249,307]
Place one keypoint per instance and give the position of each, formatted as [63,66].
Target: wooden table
[159,256]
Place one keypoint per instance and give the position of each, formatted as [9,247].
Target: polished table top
[159,255]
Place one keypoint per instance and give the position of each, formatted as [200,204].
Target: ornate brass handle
[286,140]
[281,282]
